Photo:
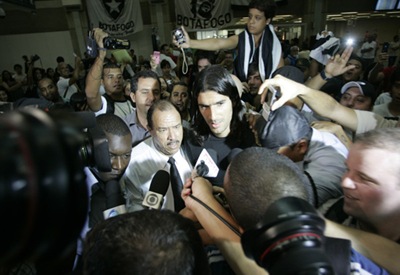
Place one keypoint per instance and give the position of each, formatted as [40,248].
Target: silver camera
[179,36]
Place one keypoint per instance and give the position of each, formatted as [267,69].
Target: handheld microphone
[115,202]
[158,188]
[206,164]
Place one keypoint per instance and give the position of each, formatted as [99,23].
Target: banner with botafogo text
[119,18]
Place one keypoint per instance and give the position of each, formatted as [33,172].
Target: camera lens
[42,188]
[291,232]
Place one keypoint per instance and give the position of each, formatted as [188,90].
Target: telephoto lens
[289,240]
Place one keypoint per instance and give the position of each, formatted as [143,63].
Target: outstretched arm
[211,44]
[321,103]
[93,79]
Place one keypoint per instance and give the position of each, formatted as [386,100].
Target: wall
[47,45]
[385,28]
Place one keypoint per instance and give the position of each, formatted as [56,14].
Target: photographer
[255,179]
[110,75]
[104,190]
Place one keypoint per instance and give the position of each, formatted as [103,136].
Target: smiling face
[254,82]
[217,112]
[371,184]
[180,97]
[354,99]
[167,131]
[257,21]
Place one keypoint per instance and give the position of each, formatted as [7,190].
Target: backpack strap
[314,188]
[335,212]
[66,90]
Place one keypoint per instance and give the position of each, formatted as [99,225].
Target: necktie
[176,185]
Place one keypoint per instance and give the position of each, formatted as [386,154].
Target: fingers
[347,53]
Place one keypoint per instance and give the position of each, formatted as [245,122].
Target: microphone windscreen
[160,182]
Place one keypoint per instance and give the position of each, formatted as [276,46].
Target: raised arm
[93,79]
[75,74]
[321,103]
[227,241]
[337,65]
[210,44]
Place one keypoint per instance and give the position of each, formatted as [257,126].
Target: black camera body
[43,185]
[110,43]
[35,58]
[179,35]
[289,239]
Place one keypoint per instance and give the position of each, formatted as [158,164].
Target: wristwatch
[323,75]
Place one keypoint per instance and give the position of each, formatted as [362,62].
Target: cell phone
[156,55]
[275,94]
[385,47]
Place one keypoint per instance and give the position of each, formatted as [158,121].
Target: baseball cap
[285,126]
[366,89]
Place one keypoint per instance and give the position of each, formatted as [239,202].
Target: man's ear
[302,147]
[268,21]
[133,96]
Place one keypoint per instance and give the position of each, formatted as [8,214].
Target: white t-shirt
[63,85]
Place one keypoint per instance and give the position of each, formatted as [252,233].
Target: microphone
[206,164]
[115,202]
[158,188]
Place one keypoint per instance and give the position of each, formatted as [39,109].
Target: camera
[110,43]
[179,36]
[35,58]
[385,47]
[43,185]
[289,239]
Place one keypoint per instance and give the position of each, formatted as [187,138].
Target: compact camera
[179,36]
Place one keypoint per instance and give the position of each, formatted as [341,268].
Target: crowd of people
[273,122]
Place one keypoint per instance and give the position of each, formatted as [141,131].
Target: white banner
[118,18]
[203,14]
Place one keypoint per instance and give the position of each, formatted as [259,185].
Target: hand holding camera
[180,38]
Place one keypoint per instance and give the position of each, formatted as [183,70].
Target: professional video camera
[289,240]
[43,194]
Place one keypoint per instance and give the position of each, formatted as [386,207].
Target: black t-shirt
[222,146]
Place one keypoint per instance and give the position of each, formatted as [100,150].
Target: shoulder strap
[314,188]
[336,213]
[65,93]
[339,254]
[110,104]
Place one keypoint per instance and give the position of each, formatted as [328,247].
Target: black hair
[143,74]
[145,242]
[217,79]
[165,63]
[161,105]
[113,125]
[258,177]
[266,6]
